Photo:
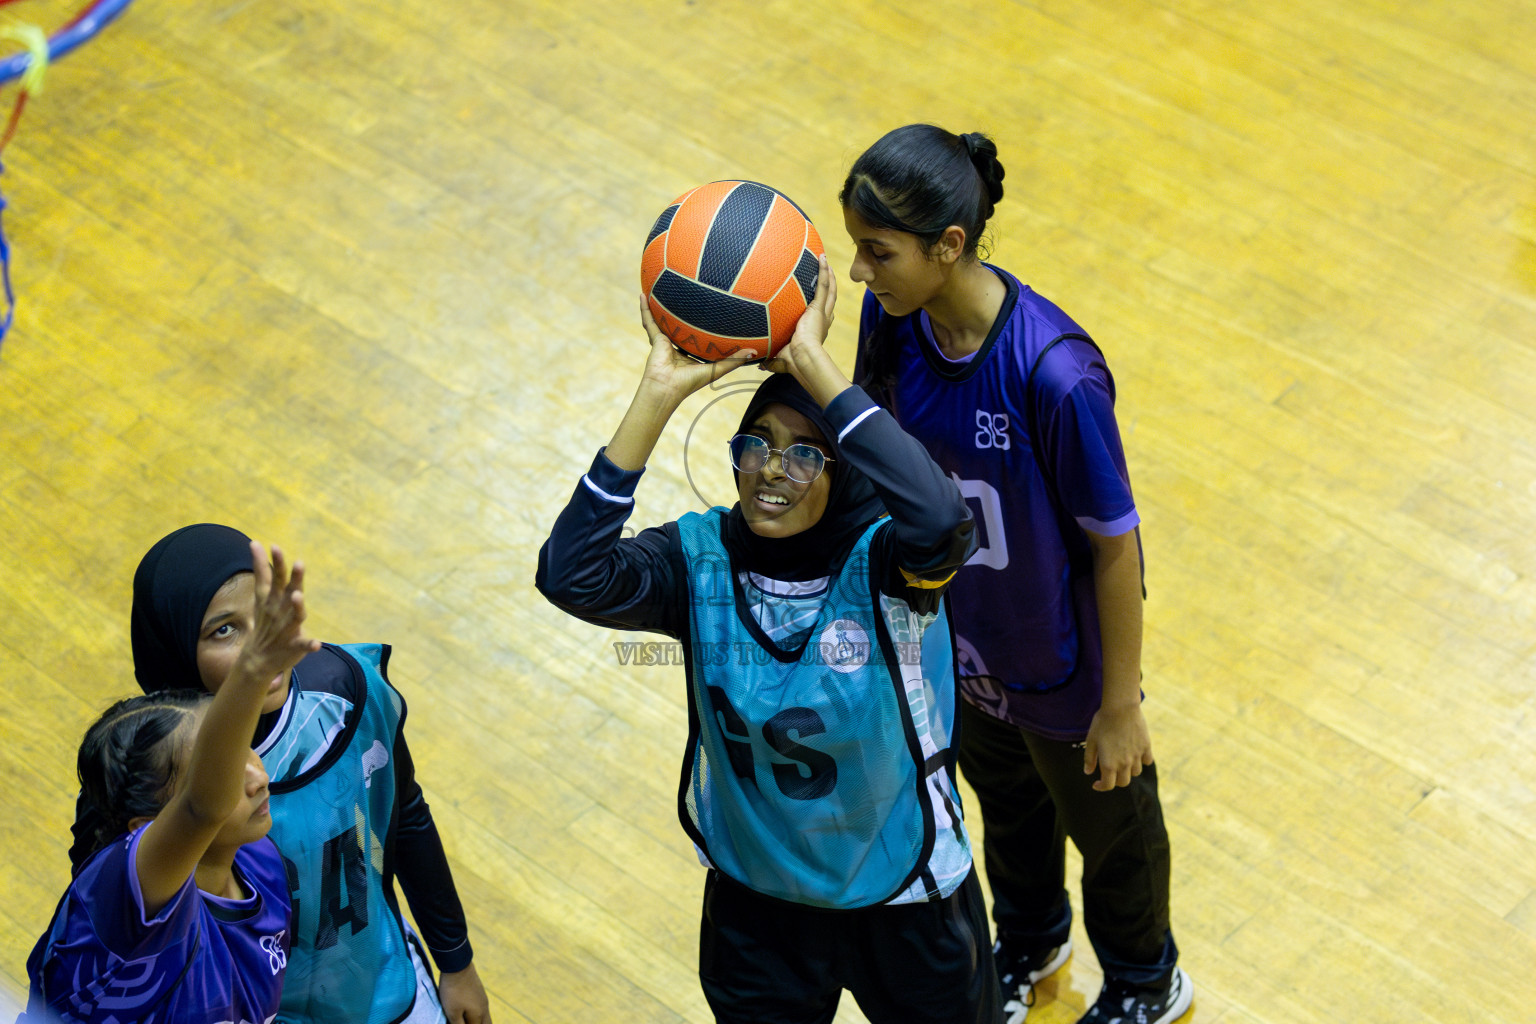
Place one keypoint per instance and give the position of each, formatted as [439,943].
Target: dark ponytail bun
[983,152]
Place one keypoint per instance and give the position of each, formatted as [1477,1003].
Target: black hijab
[171,590]
[852,503]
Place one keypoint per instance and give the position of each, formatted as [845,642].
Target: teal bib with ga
[330,813]
[805,777]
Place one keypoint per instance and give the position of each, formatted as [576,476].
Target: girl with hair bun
[1014,400]
[180,913]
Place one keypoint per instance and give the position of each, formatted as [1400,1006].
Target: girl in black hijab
[174,584]
[818,780]
[334,716]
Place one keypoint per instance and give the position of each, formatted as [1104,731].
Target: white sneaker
[1119,1003]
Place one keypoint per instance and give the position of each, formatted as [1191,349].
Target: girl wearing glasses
[817,783]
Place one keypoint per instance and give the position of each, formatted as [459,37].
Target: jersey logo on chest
[993,432]
[844,646]
[272,945]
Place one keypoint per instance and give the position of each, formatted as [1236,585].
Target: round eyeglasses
[802,462]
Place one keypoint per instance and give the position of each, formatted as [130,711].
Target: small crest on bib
[374,758]
[844,646]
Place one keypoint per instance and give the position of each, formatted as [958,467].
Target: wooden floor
[360,277]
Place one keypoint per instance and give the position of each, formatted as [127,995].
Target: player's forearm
[641,427]
[819,374]
[1117,590]
[216,768]
[421,867]
[589,570]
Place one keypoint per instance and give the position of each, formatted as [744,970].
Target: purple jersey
[1026,621]
[201,959]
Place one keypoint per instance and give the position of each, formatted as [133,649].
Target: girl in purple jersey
[1013,399]
[181,915]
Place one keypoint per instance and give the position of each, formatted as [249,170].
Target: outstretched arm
[585,567]
[668,378]
[215,770]
[804,356]
[934,530]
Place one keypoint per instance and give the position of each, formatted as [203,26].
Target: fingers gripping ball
[730,265]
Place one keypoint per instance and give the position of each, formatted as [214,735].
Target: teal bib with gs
[805,777]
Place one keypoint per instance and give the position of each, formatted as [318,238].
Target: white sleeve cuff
[860,418]
[616,499]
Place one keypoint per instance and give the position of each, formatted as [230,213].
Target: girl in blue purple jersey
[181,913]
[1013,399]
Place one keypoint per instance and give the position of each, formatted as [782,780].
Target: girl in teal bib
[818,779]
[347,814]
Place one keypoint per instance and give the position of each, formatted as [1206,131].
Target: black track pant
[764,961]
[1034,796]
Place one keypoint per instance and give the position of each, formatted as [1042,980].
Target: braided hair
[127,763]
[920,179]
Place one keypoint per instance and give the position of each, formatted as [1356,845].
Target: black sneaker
[1119,1003]
[1019,971]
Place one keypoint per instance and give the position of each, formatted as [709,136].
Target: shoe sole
[1063,954]
[1017,1008]
[1183,997]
